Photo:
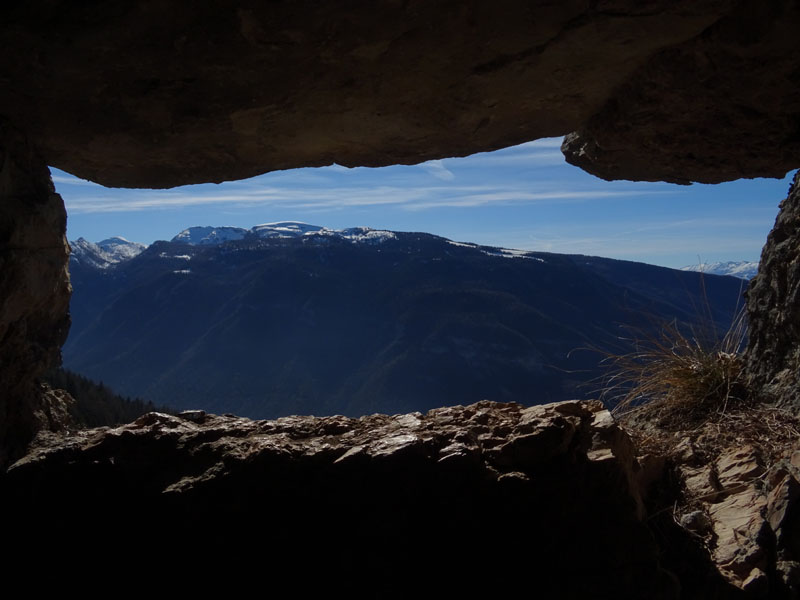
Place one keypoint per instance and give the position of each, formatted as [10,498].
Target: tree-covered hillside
[95,404]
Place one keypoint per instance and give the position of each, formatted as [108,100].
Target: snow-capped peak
[119,249]
[741,269]
[285,229]
[209,236]
[105,253]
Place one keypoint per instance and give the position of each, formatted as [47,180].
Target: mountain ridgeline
[288,318]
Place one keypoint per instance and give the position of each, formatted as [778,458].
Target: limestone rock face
[34,292]
[140,94]
[773,306]
[484,497]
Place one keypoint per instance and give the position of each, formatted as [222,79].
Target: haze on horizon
[525,197]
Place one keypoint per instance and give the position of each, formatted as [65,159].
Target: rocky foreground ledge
[484,498]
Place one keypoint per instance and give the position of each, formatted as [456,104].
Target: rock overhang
[136,94]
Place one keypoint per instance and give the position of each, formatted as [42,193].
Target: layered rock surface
[484,497]
[747,512]
[731,496]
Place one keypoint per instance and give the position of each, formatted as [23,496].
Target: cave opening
[216,349]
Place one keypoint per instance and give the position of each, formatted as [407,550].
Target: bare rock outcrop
[738,499]
[138,94]
[34,293]
[773,308]
[488,497]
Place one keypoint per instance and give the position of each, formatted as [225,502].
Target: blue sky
[523,197]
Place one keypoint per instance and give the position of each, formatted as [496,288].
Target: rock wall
[34,292]
[773,306]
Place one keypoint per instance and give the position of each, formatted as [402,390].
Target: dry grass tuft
[679,385]
[683,398]
[678,378]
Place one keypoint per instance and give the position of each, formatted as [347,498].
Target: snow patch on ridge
[462,244]
[742,269]
[501,252]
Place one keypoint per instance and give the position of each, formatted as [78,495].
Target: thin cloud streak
[409,198]
[512,197]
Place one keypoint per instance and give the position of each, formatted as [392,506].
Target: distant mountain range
[741,269]
[287,318]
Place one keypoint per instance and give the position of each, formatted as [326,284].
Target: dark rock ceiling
[158,94]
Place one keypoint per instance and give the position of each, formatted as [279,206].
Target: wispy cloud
[438,170]
[509,196]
